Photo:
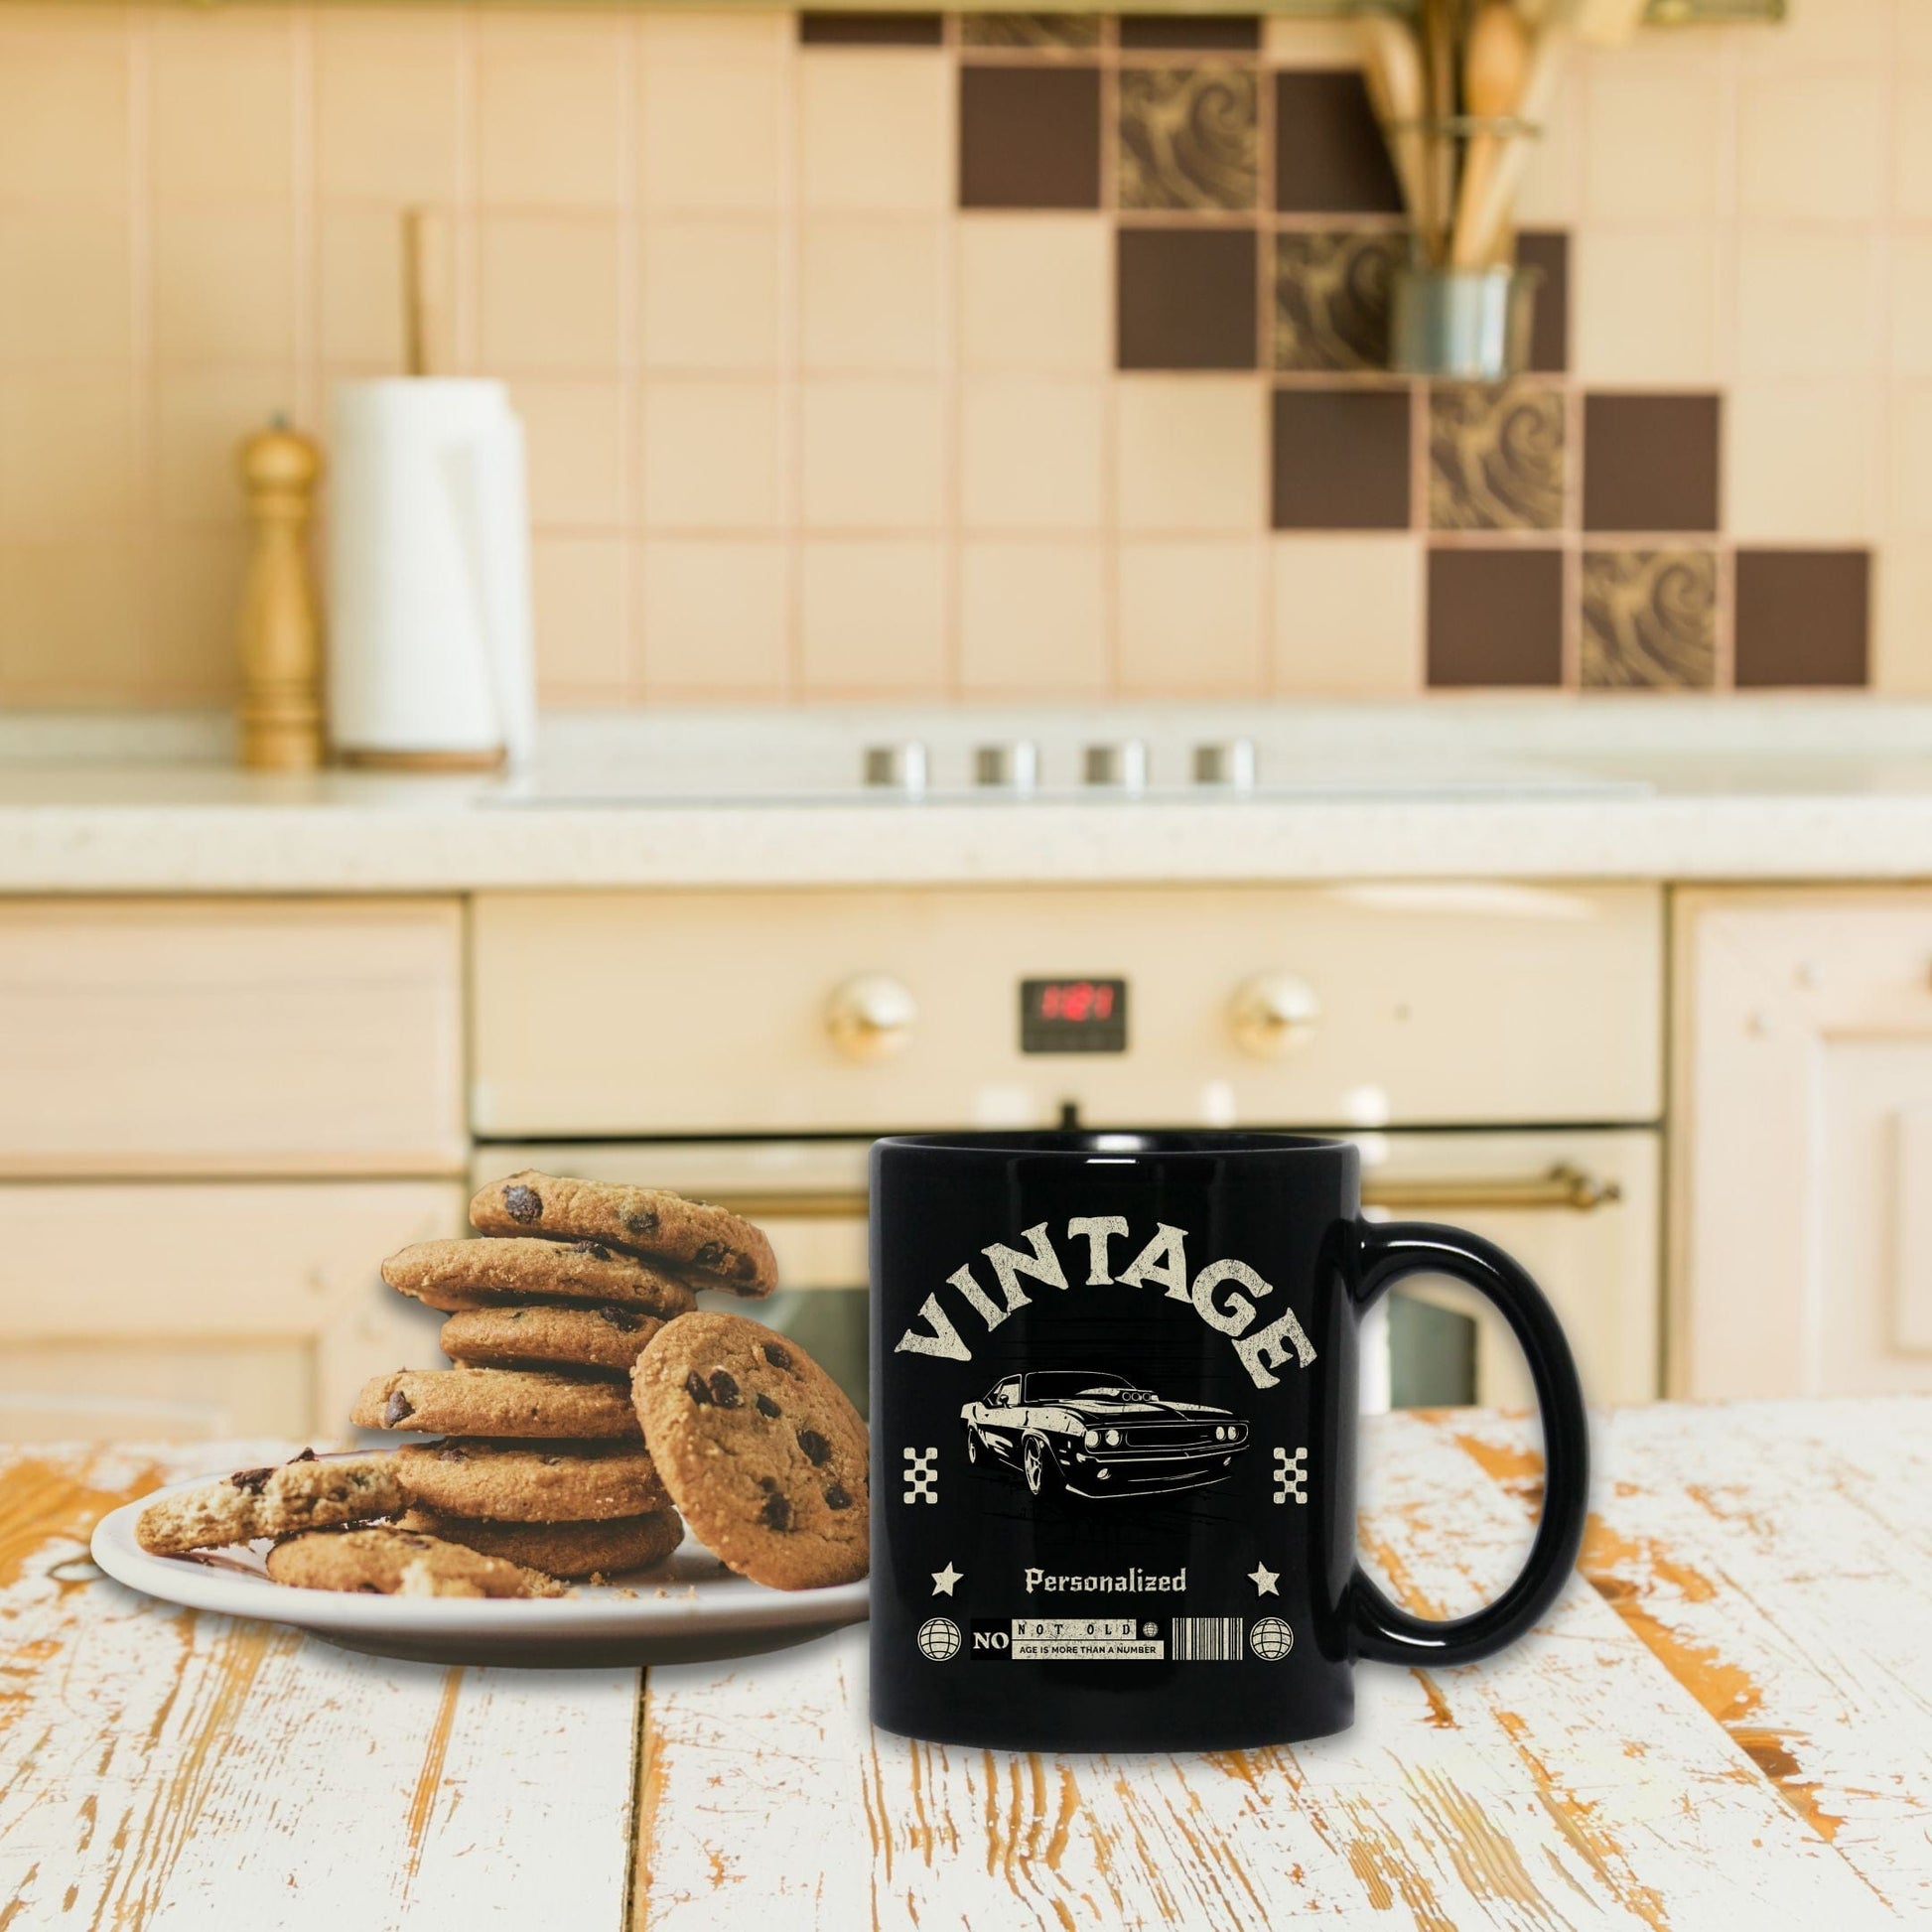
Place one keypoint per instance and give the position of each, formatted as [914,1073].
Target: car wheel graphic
[972,1445]
[1041,1471]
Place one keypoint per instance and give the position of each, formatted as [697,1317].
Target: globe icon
[1268,1637]
[940,1639]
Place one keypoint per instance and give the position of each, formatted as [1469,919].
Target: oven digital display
[1077,1016]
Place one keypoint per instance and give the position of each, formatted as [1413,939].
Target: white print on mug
[1161,1263]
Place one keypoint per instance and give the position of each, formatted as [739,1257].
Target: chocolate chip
[307,1455]
[639,1220]
[724,1391]
[836,1497]
[817,1449]
[694,1387]
[623,1320]
[776,1513]
[768,1483]
[517,1314]
[767,1407]
[370,1589]
[523,1205]
[776,1356]
[397,1408]
[452,1453]
[596,1248]
[254,1482]
[709,1253]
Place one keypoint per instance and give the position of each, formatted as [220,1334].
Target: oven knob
[871,1016]
[1273,1014]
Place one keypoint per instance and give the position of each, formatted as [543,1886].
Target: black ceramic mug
[1113,1438]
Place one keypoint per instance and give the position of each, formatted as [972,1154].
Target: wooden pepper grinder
[280,631]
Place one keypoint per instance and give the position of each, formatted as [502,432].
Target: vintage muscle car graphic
[1099,1434]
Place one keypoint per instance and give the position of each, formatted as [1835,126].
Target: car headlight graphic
[1113,1438]
[1093,1439]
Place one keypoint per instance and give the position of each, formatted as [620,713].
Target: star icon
[943,1580]
[1264,1579]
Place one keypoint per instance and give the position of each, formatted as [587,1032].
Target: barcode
[1207,1639]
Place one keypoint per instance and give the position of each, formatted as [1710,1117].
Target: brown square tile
[1329,151]
[1340,460]
[1187,297]
[1495,457]
[1650,619]
[1230,32]
[1189,137]
[1802,617]
[1650,463]
[871,30]
[1331,300]
[1029,30]
[1495,616]
[1029,137]
[1548,251]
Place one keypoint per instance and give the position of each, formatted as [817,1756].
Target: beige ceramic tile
[1036,293]
[1811,146]
[576,436]
[551,100]
[715,620]
[1192,453]
[875,130]
[359,284]
[683,34]
[1784,328]
[73,621]
[714,455]
[1901,643]
[222,100]
[66,285]
[224,284]
[1798,462]
[1033,453]
[712,295]
[197,578]
[549,293]
[1551,191]
[1347,615]
[1190,619]
[388,91]
[1644,306]
[1908,423]
[873,454]
[714,133]
[578,588]
[63,111]
[1032,621]
[1911,304]
[1912,143]
[201,417]
[872,618]
[1650,146]
[1814,32]
[872,293]
[68,453]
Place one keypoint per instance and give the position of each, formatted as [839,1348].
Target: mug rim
[1122,1143]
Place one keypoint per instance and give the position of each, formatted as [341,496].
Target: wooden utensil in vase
[1392,71]
[1496,64]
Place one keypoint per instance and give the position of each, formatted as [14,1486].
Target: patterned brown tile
[1028,137]
[1189,137]
[1650,619]
[1340,458]
[1495,618]
[1329,151]
[1650,463]
[1029,30]
[1214,33]
[1548,251]
[1495,457]
[871,30]
[1187,297]
[1802,617]
[1332,299]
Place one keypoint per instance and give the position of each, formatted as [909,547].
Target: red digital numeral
[1076,1001]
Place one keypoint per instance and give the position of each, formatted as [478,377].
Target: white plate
[686,1610]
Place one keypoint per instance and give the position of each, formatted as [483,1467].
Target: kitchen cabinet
[1801,1224]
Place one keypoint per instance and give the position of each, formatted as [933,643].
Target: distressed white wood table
[1726,1723]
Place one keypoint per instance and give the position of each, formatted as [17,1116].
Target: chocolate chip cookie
[494,1402]
[605,1342]
[761,1452]
[311,1492]
[711,1245]
[541,1483]
[602,1549]
[395,1562]
[480,1273]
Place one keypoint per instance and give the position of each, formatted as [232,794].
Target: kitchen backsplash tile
[904,354]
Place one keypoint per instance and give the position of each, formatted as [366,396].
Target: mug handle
[1380,1629]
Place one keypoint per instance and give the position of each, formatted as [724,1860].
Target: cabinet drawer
[690,1013]
[237,1037]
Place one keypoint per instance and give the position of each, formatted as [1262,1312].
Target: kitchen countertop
[1723,1723]
[1642,789]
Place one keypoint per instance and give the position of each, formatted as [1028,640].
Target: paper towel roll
[430,654]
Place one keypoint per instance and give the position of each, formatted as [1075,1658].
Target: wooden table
[1729,1724]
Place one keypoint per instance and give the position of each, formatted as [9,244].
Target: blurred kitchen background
[1024,631]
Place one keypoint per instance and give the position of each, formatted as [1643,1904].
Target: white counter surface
[1637,790]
